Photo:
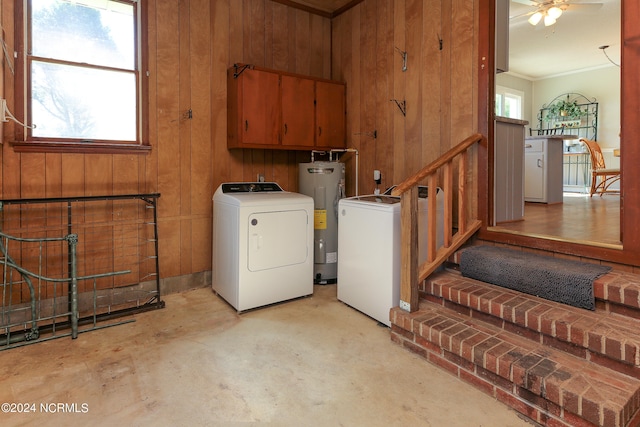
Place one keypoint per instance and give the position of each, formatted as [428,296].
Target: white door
[534,181]
[277,239]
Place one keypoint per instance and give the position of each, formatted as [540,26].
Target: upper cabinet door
[330,114]
[254,111]
[298,119]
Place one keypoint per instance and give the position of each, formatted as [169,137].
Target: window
[82,72]
[509,102]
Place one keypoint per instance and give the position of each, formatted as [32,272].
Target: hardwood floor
[580,218]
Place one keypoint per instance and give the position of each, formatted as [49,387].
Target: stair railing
[411,274]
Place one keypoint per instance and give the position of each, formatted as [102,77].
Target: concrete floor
[308,362]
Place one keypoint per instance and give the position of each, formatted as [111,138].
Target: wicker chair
[601,176]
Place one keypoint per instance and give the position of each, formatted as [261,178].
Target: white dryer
[262,244]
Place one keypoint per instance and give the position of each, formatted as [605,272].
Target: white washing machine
[262,244]
[369,256]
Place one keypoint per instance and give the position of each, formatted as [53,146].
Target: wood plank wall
[191,45]
[193,42]
[438,87]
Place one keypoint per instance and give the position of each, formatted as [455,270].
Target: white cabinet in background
[543,169]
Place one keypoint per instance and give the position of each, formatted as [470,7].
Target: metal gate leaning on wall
[69,265]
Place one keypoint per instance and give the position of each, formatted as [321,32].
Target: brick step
[618,292]
[603,337]
[547,385]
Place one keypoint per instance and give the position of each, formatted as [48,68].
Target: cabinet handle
[527,146]
[285,129]
[246,125]
[539,163]
[319,130]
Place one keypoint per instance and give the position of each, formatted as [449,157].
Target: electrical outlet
[3,110]
[260,177]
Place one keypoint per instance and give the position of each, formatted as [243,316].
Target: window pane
[499,105]
[512,106]
[89,31]
[77,102]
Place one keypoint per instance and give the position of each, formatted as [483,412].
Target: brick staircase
[556,364]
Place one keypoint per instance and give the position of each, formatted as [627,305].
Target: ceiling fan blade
[527,2]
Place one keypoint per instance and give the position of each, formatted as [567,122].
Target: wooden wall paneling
[32,175]
[181,121]
[200,173]
[280,60]
[292,45]
[354,101]
[184,125]
[126,174]
[73,175]
[434,78]
[236,42]
[201,237]
[413,93]
[98,236]
[385,73]
[255,166]
[10,173]
[399,82]
[326,50]
[279,170]
[368,103]
[462,66]
[201,102]
[303,34]
[125,181]
[72,184]
[280,31]
[54,215]
[168,144]
[254,32]
[235,36]
[126,237]
[316,46]
[268,33]
[459,21]
[185,254]
[149,163]
[446,33]
[168,248]
[32,170]
[220,35]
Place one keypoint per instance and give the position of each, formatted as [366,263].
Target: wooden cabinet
[543,170]
[272,109]
[330,115]
[298,112]
[254,111]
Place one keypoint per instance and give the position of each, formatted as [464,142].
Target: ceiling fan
[548,11]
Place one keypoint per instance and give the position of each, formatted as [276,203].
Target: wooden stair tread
[607,334]
[601,396]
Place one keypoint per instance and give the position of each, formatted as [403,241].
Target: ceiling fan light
[535,18]
[554,12]
[549,20]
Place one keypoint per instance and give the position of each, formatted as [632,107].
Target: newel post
[409,250]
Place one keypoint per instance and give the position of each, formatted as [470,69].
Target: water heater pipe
[345,150]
